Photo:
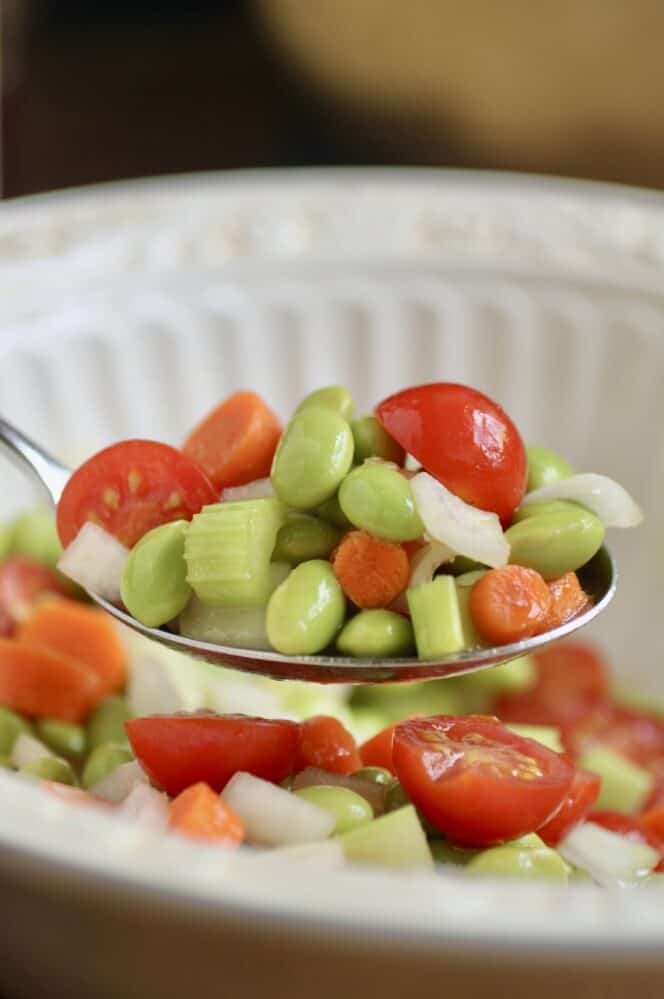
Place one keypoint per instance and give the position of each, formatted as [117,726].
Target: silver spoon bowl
[598,578]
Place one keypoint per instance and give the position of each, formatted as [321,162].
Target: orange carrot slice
[370,571]
[567,600]
[200,813]
[44,684]
[236,442]
[509,604]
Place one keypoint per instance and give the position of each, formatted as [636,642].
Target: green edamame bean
[333,397]
[331,512]
[306,611]
[34,534]
[154,583]
[376,634]
[64,738]
[377,775]
[468,579]
[396,798]
[555,543]
[349,808]
[314,454]
[378,499]
[102,761]
[11,726]
[545,467]
[444,852]
[373,441]
[515,862]
[50,768]
[462,566]
[545,506]
[107,723]
[303,538]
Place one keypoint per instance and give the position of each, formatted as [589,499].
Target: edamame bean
[303,538]
[306,611]
[556,543]
[444,852]
[468,579]
[102,761]
[376,634]
[64,738]
[50,768]
[396,798]
[543,507]
[545,467]
[378,499]
[349,808]
[154,583]
[11,725]
[6,536]
[34,534]
[107,723]
[373,441]
[314,454]
[516,862]
[462,566]
[377,775]
[331,512]
[333,397]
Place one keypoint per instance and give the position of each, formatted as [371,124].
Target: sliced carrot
[509,604]
[82,633]
[200,813]
[44,684]
[370,571]
[236,442]
[568,599]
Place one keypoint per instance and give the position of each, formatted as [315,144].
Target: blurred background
[105,90]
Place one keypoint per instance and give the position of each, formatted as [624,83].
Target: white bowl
[128,311]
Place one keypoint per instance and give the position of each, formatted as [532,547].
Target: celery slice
[434,610]
[625,786]
[228,548]
[547,735]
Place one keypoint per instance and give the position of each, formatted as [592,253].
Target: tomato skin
[177,751]
[581,797]
[131,487]
[22,583]
[653,820]
[462,438]
[327,744]
[628,826]
[574,667]
[459,772]
[377,751]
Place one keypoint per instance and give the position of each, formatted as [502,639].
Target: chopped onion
[464,529]
[95,560]
[147,807]
[315,777]
[411,464]
[598,493]
[27,749]
[258,489]
[427,560]
[273,816]
[327,855]
[609,858]
[119,784]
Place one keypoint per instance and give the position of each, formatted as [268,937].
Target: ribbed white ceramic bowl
[130,310]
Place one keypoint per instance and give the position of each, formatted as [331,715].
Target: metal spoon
[598,578]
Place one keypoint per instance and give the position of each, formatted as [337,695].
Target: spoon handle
[51,474]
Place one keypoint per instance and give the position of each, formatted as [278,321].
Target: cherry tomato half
[581,797]
[462,438]
[22,583]
[326,744]
[179,750]
[572,667]
[477,782]
[131,487]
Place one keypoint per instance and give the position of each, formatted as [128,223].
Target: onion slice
[258,489]
[598,493]
[464,529]
[95,560]
[119,784]
[426,560]
[273,816]
[610,859]
[147,807]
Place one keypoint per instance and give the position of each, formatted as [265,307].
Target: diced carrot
[200,813]
[370,571]
[236,442]
[44,684]
[82,633]
[509,604]
[568,600]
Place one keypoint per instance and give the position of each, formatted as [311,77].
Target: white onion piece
[327,855]
[146,807]
[95,560]
[27,749]
[411,464]
[464,529]
[426,560]
[119,784]
[609,858]
[273,816]
[598,493]
[258,489]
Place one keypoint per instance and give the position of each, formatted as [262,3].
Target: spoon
[598,578]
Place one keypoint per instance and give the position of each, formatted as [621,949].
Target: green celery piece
[625,786]
[228,548]
[394,840]
[546,734]
[471,639]
[434,610]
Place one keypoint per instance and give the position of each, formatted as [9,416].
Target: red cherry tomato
[575,667]
[628,826]
[653,820]
[179,750]
[463,439]
[477,782]
[326,744]
[581,797]
[131,487]
[22,583]
[377,751]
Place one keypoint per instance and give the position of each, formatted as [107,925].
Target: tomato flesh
[462,438]
[325,743]
[131,487]
[177,751]
[574,667]
[477,782]
[22,583]
[581,797]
